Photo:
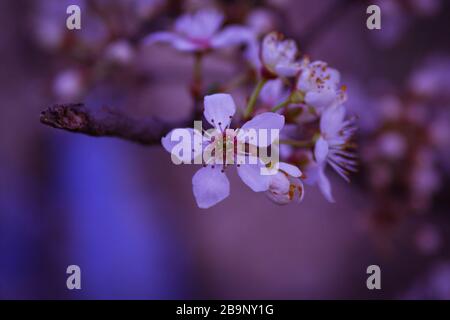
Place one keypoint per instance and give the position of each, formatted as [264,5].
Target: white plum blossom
[200,31]
[286,186]
[278,56]
[334,141]
[210,184]
[320,85]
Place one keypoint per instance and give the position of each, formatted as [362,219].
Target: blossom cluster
[303,99]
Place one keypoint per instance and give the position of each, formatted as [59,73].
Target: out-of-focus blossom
[261,21]
[119,52]
[434,285]
[428,239]
[390,107]
[278,56]
[50,31]
[395,22]
[364,107]
[210,184]
[200,31]
[320,85]
[439,132]
[392,145]
[68,85]
[424,179]
[426,7]
[333,144]
[432,79]
[286,186]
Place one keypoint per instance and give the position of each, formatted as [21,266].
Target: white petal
[200,25]
[169,143]
[269,53]
[279,183]
[324,185]
[210,186]
[321,150]
[233,35]
[219,109]
[278,55]
[176,40]
[320,99]
[287,70]
[332,121]
[252,177]
[300,192]
[273,92]
[252,54]
[266,120]
[290,169]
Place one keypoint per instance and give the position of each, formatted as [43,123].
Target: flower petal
[219,109]
[210,186]
[264,121]
[321,150]
[287,70]
[201,25]
[273,92]
[252,177]
[324,185]
[290,169]
[320,99]
[184,138]
[300,189]
[233,35]
[176,40]
[332,121]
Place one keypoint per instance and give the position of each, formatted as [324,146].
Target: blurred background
[126,215]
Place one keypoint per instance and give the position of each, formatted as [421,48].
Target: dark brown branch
[107,123]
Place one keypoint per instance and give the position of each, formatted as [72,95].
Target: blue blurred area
[123,246]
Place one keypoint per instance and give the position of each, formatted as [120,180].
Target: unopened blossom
[201,31]
[320,85]
[210,183]
[279,56]
[333,144]
[286,186]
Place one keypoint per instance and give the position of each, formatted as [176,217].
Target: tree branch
[107,123]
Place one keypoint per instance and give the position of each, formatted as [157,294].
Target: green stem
[297,143]
[282,105]
[254,97]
